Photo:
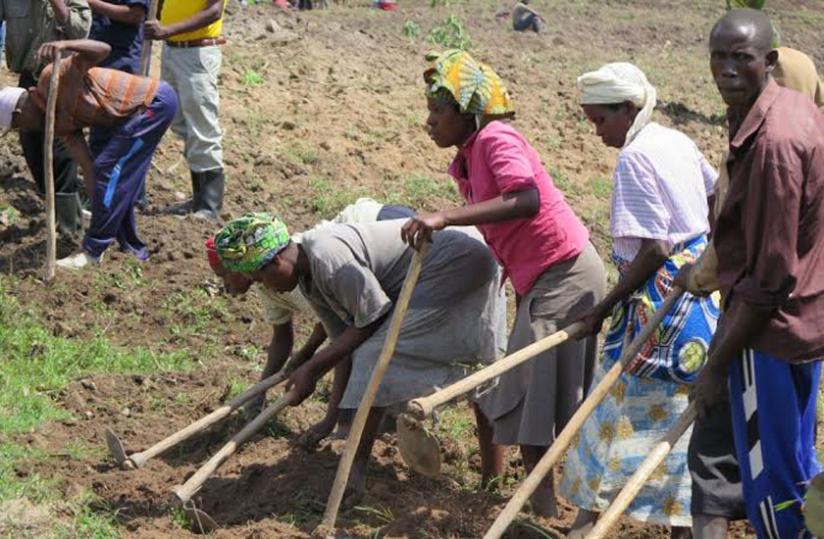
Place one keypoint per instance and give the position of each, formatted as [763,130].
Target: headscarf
[250,242]
[796,70]
[473,85]
[9,97]
[616,83]
[211,254]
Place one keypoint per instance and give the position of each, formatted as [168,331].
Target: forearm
[340,348]
[315,341]
[279,349]
[132,15]
[517,205]
[649,259]
[90,52]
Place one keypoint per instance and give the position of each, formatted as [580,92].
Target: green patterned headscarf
[250,242]
[473,85]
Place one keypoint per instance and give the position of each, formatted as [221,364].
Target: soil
[320,108]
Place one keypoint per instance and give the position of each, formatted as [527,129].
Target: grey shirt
[357,272]
[30,23]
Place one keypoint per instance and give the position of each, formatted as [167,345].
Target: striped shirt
[97,97]
[660,189]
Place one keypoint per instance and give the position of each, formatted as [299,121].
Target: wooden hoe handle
[146,51]
[139,459]
[185,492]
[633,486]
[330,516]
[564,439]
[48,167]
[423,407]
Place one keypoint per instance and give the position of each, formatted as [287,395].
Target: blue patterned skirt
[644,403]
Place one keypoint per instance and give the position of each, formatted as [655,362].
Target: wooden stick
[139,459]
[636,482]
[185,492]
[146,51]
[330,516]
[48,168]
[597,394]
[423,407]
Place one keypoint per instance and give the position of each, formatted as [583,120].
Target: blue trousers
[773,412]
[120,169]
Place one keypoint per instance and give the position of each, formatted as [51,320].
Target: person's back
[97,96]
[666,161]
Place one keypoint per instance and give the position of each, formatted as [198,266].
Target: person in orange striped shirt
[137,110]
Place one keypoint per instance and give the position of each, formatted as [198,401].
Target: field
[318,109]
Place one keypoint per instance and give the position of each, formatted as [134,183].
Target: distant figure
[525,18]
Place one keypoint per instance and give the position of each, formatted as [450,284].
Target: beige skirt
[533,402]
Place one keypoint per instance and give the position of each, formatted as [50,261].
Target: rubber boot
[210,201]
[187,206]
[68,216]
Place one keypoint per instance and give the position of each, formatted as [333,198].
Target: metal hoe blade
[116,449]
[202,523]
[419,448]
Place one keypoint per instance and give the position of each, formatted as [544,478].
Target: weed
[9,214]
[302,154]
[420,190]
[411,29]
[601,187]
[327,199]
[191,311]
[450,34]
[382,513]
[561,181]
[252,78]
[250,353]
[181,519]
[80,450]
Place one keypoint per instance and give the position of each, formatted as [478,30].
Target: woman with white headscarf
[658,221]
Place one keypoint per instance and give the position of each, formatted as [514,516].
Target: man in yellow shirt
[191,61]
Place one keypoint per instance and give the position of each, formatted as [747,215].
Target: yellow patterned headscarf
[473,85]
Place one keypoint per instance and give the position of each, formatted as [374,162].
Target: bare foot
[583,524]
[316,433]
[543,502]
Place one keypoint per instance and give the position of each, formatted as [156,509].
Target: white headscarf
[616,83]
[8,101]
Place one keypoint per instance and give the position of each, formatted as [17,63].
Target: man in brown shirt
[770,242]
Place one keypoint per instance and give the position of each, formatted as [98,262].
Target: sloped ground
[326,108]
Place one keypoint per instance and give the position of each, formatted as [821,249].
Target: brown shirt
[770,233]
[94,97]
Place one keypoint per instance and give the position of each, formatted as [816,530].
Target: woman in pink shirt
[543,247]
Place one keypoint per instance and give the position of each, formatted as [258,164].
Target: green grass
[35,367]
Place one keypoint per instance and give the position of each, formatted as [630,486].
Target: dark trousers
[120,173]
[65,169]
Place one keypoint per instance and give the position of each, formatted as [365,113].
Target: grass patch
[36,365]
[327,198]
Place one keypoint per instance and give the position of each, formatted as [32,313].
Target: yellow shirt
[175,11]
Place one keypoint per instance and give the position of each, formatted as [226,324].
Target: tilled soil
[318,109]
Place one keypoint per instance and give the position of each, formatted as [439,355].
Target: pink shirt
[498,160]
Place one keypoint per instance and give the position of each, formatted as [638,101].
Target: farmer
[532,231]
[771,234]
[29,24]
[716,493]
[279,309]
[658,220]
[191,61]
[351,275]
[138,111]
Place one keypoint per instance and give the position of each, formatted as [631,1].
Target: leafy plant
[411,29]
[252,78]
[451,34]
